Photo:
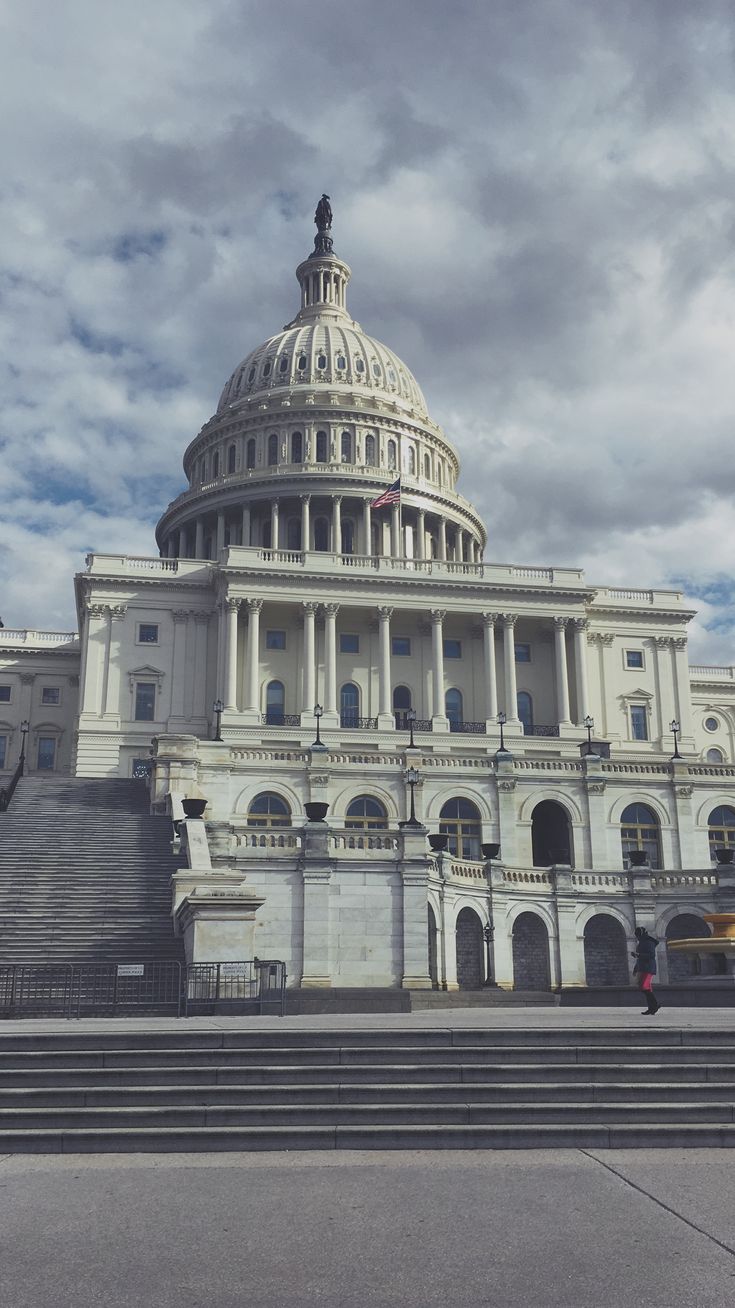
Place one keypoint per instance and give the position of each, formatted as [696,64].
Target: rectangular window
[349,642]
[634,658]
[50,695]
[4,694]
[275,640]
[401,645]
[523,652]
[148,633]
[145,701]
[639,721]
[46,753]
[3,750]
[452,649]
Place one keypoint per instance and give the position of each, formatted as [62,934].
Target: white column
[178,670]
[509,662]
[385,707]
[337,524]
[308,697]
[199,541]
[232,608]
[306,527]
[442,539]
[330,658]
[560,664]
[106,659]
[112,690]
[437,650]
[682,687]
[274,524]
[246,525]
[254,607]
[491,679]
[367,528]
[220,533]
[395,532]
[580,667]
[420,534]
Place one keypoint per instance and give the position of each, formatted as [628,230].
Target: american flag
[390,496]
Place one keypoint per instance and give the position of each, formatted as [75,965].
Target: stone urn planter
[316,812]
[194,808]
[438,842]
[490,851]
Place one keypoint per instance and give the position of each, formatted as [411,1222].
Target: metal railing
[73,990]
[539,730]
[468,728]
[6,794]
[351,722]
[274,719]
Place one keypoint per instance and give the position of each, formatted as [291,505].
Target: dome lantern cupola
[322,277]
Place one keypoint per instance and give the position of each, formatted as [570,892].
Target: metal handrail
[7,793]
[351,722]
[469,728]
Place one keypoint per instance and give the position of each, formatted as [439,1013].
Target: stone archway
[605,952]
[531,964]
[433,966]
[551,834]
[682,967]
[470,962]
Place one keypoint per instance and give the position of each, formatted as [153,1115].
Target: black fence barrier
[255,985]
[122,989]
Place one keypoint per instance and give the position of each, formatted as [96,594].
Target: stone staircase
[190,1089]
[85,874]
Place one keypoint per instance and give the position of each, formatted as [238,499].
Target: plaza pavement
[460,1229]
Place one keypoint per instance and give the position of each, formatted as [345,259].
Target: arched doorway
[682,967]
[605,952]
[551,835]
[401,705]
[433,968]
[470,964]
[531,966]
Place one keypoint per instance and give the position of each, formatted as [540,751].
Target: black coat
[645,954]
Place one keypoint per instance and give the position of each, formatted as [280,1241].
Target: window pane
[452,649]
[145,701]
[275,640]
[634,658]
[639,722]
[523,653]
[5,694]
[148,633]
[50,695]
[349,643]
[3,750]
[401,645]
[46,753]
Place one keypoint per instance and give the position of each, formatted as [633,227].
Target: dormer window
[251,376]
[359,365]
[283,365]
[321,361]
[301,363]
[341,361]
[266,368]
[376,370]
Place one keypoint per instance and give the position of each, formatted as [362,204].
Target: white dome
[321,353]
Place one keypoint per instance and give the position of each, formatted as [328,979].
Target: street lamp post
[318,743]
[411,718]
[218,707]
[675,729]
[502,719]
[412,777]
[589,724]
[24,727]
[488,932]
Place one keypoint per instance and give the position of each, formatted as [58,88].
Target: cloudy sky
[535,198]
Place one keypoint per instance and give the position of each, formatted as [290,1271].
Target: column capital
[560,623]
[337,499]
[680,642]
[117,611]
[438,616]
[254,605]
[663,642]
[330,610]
[580,624]
[489,619]
[179,616]
[509,619]
[385,613]
[309,606]
[233,605]
[305,498]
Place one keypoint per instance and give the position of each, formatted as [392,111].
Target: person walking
[645,968]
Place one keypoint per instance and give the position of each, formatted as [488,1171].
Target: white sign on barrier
[130,969]
[232,969]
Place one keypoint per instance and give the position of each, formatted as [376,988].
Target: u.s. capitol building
[285,596]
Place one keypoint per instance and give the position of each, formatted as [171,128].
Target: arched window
[714,755]
[293,534]
[215,464]
[359,365]
[460,820]
[348,536]
[321,447]
[301,362]
[321,361]
[231,459]
[525,711]
[453,708]
[370,451]
[267,368]
[297,447]
[321,534]
[345,447]
[349,705]
[341,361]
[639,830]
[283,365]
[551,835]
[272,450]
[392,454]
[275,696]
[269,810]
[427,467]
[250,454]
[721,825]
[401,705]
[412,460]
[366,814]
